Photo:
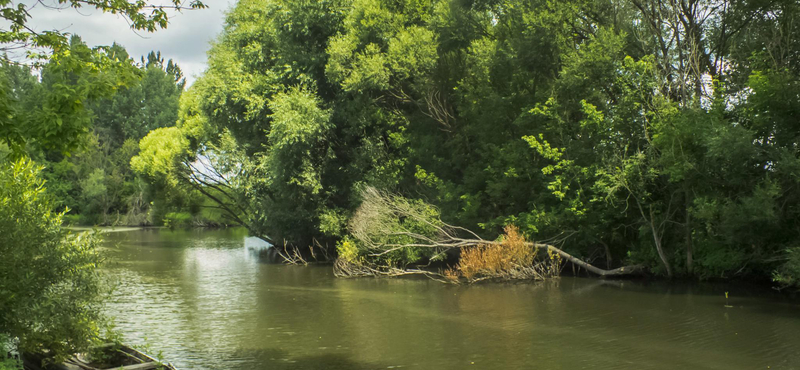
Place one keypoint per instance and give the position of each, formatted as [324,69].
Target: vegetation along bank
[488,138]
[624,132]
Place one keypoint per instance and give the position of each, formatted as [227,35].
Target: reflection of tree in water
[290,317]
[278,359]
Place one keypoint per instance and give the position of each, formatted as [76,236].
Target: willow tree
[389,232]
[636,132]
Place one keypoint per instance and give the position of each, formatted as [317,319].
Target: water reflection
[207,305]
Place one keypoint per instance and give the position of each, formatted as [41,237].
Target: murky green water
[208,302]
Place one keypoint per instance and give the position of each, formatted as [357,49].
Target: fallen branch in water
[291,255]
[345,268]
[386,224]
[621,271]
[625,270]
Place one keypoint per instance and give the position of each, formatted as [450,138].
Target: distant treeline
[94,179]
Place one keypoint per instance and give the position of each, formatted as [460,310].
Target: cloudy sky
[186,40]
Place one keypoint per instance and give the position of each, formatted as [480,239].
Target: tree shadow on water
[275,359]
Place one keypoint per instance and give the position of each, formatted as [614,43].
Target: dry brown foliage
[385,224]
[513,258]
[451,275]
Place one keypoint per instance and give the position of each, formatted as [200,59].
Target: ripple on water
[205,303]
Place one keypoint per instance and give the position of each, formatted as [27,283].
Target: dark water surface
[208,302]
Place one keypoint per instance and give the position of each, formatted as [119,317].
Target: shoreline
[111,229]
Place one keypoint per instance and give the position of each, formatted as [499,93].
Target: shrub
[50,287]
[175,220]
[788,275]
[512,258]
[347,250]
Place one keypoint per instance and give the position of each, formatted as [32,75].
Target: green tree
[141,15]
[52,115]
[50,289]
[77,74]
[266,71]
[147,104]
[656,133]
[113,126]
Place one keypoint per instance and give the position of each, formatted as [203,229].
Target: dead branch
[385,223]
[291,255]
[347,269]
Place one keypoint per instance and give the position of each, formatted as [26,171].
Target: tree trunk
[625,270]
[657,239]
[608,254]
[689,261]
[662,255]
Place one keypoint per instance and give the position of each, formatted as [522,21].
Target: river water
[207,301]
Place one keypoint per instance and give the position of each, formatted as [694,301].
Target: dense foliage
[50,286]
[94,179]
[658,132]
[80,74]
[50,289]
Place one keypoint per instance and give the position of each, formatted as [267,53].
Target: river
[207,301]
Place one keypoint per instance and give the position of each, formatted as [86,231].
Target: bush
[50,287]
[788,275]
[347,250]
[388,228]
[176,220]
[512,258]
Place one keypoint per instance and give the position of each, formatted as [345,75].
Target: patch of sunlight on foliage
[387,227]
[160,151]
[347,249]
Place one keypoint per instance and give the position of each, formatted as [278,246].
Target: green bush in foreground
[6,361]
[50,286]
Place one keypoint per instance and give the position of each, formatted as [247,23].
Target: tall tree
[653,132]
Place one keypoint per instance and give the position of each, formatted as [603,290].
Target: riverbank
[123,228]
[112,229]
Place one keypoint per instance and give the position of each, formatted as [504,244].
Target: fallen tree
[390,232]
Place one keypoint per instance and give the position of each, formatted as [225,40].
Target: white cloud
[185,40]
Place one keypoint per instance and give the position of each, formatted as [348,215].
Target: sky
[185,40]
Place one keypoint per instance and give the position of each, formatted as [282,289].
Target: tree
[115,125]
[145,105]
[641,132]
[78,74]
[266,92]
[141,15]
[52,115]
[50,289]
